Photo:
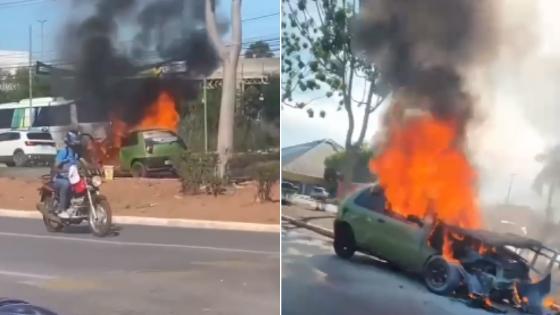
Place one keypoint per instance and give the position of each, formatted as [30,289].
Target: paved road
[144,270]
[315,281]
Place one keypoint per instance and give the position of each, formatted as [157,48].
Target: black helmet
[19,307]
[72,138]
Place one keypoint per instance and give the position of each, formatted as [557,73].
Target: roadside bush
[197,170]
[241,165]
[266,174]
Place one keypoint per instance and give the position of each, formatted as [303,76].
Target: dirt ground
[158,198]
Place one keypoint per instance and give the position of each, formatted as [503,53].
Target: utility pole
[42,22]
[30,74]
[509,188]
[205,100]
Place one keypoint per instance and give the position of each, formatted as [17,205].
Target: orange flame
[447,250]
[551,304]
[484,249]
[162,114]
[423,171]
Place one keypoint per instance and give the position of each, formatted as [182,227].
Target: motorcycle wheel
[102,226]
[52,226]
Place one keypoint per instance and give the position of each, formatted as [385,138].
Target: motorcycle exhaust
[41,208]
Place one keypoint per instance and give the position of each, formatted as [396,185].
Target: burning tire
[440,276]
[344,244]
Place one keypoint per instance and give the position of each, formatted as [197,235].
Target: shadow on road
[84,229]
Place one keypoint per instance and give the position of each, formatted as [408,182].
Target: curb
[312,227]
[180,223]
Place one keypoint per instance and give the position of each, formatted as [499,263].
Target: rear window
[39,136]
[160,136]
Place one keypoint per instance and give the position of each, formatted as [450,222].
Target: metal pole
[30,74]
[42,39]
[509,188]
[205,100]
[549,214]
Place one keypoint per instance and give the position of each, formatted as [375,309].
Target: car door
[366,218]
[403,244]
[127,151]
[4,155]
[13,143]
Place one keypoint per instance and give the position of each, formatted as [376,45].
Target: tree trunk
[348,169]
[229,55]
[227,115]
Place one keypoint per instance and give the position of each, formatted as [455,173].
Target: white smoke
[519,102]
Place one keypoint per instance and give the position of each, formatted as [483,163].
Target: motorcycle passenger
[65,158]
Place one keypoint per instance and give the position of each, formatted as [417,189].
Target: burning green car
[147,152]
[485,266]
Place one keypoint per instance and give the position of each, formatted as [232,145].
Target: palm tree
[548,176]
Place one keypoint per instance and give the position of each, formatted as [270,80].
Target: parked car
[288,189]
[319,193]
[21,148]
[485,264]
[147,152]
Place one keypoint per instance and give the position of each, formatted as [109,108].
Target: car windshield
[39,136]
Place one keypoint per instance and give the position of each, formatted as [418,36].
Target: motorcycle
[86,203]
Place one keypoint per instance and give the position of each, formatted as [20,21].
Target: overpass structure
[250,71]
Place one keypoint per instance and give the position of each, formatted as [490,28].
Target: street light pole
[509,188]
[42,22]
[30,74]
[205,100]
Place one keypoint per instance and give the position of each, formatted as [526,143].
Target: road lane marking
[25,275]
[138,244]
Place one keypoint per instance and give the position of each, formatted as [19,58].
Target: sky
[503,144]
[15,20]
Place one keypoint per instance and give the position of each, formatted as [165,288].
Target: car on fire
[484,266]
[146,152]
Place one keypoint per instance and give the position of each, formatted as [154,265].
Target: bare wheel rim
[437,274]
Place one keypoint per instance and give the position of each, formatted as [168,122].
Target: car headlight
[96,181]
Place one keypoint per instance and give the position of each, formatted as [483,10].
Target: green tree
[548,176]
[318,59]
[192,123]
[258,117]
[259,49]
[17,85]
[336,163]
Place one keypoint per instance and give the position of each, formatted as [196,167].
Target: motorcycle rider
[65,158]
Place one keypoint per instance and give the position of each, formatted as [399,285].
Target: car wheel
[344,244]
[441,277]
[20,159]
[138,169]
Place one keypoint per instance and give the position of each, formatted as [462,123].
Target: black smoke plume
[426,47]
[106,76]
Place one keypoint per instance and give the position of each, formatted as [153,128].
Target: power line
[21,3]
[260,17]
[274,45]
